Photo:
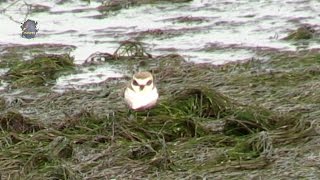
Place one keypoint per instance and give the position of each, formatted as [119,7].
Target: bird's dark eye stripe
[149,82]
[135,83]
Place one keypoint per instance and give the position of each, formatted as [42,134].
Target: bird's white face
[142,85]
[141,93]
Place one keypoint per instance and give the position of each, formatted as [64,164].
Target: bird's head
[142,82]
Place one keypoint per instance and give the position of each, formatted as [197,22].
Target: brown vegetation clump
[16,122]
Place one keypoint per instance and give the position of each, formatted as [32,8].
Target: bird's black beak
[141,87]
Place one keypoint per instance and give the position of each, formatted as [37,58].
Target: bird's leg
[135,114]
[146,117]
[148,111]
[130,115]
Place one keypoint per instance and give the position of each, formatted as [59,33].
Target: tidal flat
[238,83]
[253,119]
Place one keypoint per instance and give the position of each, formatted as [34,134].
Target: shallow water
[86,78]
[227,30]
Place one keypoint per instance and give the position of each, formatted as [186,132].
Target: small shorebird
[141,94]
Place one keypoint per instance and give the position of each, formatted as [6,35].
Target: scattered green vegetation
[304,32]
[39,71]
[13,54]
[166,139]
[210,119]
[189,19]
[15,122]
[131,49]
[111,6]
[8,60]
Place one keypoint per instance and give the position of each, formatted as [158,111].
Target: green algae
[200,102]
[158,139]
[130,49]
[39,71]
[14,122]
[189,19]
[209,120]
[111,6]
[302,33]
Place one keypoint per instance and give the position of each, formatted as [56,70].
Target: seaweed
[41,70]
[209,120]
[304,32]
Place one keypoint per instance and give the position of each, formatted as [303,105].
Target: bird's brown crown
[142,75]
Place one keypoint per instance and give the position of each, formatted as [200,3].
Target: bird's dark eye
[149,82]
[135,83]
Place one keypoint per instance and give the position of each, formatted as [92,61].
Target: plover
[141,94]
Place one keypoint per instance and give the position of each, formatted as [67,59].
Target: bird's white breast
[137,100]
